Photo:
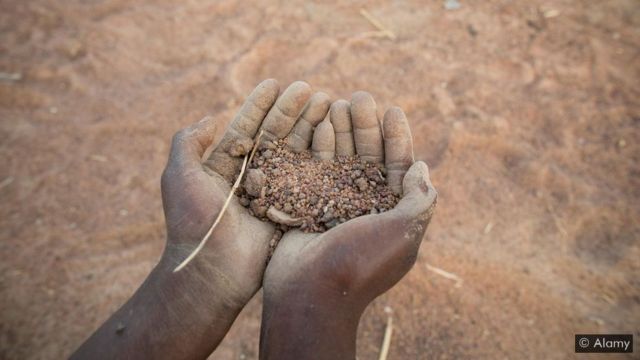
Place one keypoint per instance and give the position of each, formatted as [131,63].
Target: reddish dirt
[314,194]
[528,113]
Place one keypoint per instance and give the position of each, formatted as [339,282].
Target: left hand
[186,314]
[194,191]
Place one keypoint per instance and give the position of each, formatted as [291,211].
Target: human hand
[317,285]
[185,314]
[194,192]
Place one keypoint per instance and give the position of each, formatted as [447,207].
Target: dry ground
[527,111]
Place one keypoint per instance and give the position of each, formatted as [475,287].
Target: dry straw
[247,160]
[378,25]
[386,341]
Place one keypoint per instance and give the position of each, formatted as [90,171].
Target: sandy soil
[528,113]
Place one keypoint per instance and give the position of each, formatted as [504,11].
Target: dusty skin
[526,112]
[318,178]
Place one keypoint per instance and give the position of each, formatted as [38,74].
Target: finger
[398,147]
[324,141]
[340,115]
[286,111]
[238,139]
[189,144]
[393,237]
[366,129]
[420,195]
[300,137]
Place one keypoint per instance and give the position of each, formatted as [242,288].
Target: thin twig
[386,341]
[6,182]
[247,160]
[554,216]
[378,25]
[372,34]
[446,274]
[10,76]
[215,223]
[255,146]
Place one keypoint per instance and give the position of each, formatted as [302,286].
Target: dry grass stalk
[378,25]
[386,341]
[446,274]
[247,160]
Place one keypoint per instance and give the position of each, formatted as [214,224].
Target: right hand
[331,277]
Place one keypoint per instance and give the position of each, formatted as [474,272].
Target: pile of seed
[297,190]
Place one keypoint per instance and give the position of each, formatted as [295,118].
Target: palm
[369,254]
[347,256]
[194,193]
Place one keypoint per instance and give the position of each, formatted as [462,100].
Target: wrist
[190,306]
[199,286]
[166,318]
[303,323]
[209,272]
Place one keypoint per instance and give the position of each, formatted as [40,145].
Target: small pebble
[331,224]
[244,201]
[258,209]
[362,184]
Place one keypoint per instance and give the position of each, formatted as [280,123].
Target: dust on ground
[527,113]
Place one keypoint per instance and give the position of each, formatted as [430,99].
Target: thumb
[189,144]
[420,196]
[383,247]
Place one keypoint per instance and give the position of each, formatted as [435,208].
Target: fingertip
[298,92]
[361,95]
[322,97]
[340,116]
[340,103]
[286,110]
[419,196]
[324,131]
[202,132]
[269,84]
[317,108]
[363,108]
[269,81]
[394,123]
[265,94]
[398,147]
[367,132]
[324,141]
[300,84]
[417,178]
[189,144]
[206,121]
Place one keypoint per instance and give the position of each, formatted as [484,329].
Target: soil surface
[297,190]
[528,113]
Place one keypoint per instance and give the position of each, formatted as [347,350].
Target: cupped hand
[185,314]
[194,191]
[335,274]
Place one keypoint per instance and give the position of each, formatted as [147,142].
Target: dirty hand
[317,285]
[194,191]
[185,314]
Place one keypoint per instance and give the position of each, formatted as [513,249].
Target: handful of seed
[298,190]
